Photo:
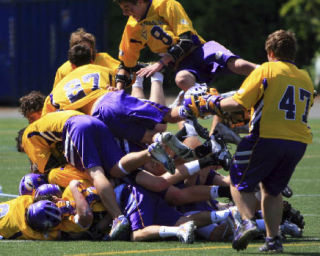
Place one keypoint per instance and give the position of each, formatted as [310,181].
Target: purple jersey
[89,143]
[128,117]
[271,161]
[207,61]
[144,208]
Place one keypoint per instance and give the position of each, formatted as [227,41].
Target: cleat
[292,215]
[287,192]
[219,150]
[227,134]
[186,232]
[244,234]
[180,149]
[288,228]
[272,245]
[235,216]
[159,154]
[119,229]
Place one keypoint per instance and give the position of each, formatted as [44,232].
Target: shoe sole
[242,243]
[119,232]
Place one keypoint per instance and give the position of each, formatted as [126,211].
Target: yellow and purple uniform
[280,96]
[40,139]
[165,20]
[69,222]
[13,223]
[80,87]
[102,59]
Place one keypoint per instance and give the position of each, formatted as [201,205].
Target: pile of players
[123,176]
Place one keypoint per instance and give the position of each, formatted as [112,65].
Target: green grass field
[305,184]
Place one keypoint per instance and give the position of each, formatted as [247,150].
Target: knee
[184,80]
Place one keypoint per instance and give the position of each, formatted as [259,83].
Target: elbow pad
[182,47]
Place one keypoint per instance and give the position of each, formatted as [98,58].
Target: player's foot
[119,229]
[292,215]
[247,231]
[288,228]
[272,245]
[186,232]
[287,192]
[159,154]
[181,150]
[235,216]
[227,134]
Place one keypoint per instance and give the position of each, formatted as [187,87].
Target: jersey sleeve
[251,89]
[38,151]
[130,45]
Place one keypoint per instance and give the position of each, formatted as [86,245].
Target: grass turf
[305,184]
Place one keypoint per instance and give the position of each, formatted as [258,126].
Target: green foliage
[303,17]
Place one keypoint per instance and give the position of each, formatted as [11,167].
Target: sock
[157,77]
[191,131]
[192,167]
[138,82]
[260,224]
[217,216]
[157,137]
[166,231]
[214,192]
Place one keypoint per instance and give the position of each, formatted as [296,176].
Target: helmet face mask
[48,189]
[30,182]
[43,216]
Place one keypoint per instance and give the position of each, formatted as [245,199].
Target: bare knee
[184,80]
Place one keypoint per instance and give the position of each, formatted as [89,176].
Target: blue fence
[34,40]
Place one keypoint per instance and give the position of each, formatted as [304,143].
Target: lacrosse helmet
[30,182]
[48,189]
[43,215]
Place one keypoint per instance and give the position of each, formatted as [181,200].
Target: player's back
[287,98]
[80,87]
[102,59]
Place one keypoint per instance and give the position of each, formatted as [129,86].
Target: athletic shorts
[270,161]
[144,208]
[89,143]
[207,61]
[128,117]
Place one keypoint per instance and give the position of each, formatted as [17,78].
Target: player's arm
[83,211]
[129,53]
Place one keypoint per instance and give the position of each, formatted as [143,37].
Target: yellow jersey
[40,138]
[159,30]
[13,224]
[79,88]
[102,59]
[69,223]
[280,96]
[64,174]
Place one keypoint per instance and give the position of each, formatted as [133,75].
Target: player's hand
[150,70]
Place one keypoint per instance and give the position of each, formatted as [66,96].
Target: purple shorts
[144,208]
[128,117]
[207,61]
[270,161]
[90,143]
